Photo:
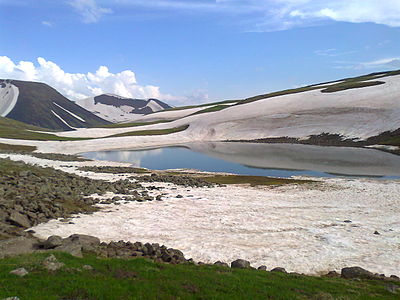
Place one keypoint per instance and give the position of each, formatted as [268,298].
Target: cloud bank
[78,86]
[270,15]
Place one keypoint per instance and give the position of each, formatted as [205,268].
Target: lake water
[279,160]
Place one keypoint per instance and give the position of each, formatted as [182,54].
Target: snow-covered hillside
[8,98]
[115,108]
[39,104]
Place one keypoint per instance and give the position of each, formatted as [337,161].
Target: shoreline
[283,198]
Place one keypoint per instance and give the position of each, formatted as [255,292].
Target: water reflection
[282,160]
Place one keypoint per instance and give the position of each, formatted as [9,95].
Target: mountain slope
[40,105]
[120,109]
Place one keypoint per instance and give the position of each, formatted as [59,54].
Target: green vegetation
[350,85]
[252,180]
[201,105]
[211,109]
[16,148]
[11,129]
[152,132]
[124,125]
[143,279]
[329,87]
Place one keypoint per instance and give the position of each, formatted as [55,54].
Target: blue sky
[195,50]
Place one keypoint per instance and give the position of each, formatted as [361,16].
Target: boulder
[356,272]
[279,269]
[262,268]
[19,219]
[222,264]
[21,272]
[75,249]
[52,264]
[240,264]
[16,246]
[52,242]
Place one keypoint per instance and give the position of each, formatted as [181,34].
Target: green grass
[252,180]
[16,148]
[350,85]
[152,132]
[11,129]
[201,105]
[124,125]
[143,279]
[211,109]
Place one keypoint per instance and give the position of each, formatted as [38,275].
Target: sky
[195,51]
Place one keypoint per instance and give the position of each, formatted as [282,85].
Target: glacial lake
[278,160]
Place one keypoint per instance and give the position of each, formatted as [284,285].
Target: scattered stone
[376,232]
[332,274]
[52,242]
[356,272]
[262,268]
[394,277]
[159,198]
[52,264]
[240,264]
[179,196]
[392,288]
[279,269]
[347,221]
[21,272]
[222,264]
[11,298]
[87,267]
[19,219]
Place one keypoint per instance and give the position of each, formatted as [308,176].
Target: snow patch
[62,120]
[8,98]
[72,114]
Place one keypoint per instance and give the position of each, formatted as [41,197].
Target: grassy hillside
[11,129]
[144,279]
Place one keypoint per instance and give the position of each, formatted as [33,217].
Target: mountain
[115,108]
[40,105]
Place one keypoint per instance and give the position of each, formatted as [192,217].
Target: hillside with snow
[38,104]
[365,108]
[115,108]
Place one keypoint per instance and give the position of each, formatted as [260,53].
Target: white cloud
[378,64]
[269,15]
[47,23]
[90,11]
[78,85]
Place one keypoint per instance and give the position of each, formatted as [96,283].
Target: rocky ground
[31,194]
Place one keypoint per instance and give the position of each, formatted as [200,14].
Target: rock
[75,249]
[262,268]
[21,272]
[240,264]
[222,264]
[179,196]
[392,288]
[376,232]
[11,298]
[332,274]
[87,242]
[356,272]
[347,221]
[18,219]
[159,198]
[52,242]
[279,269]
[52,264]
[16,246]
[87,267]
[394,277]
